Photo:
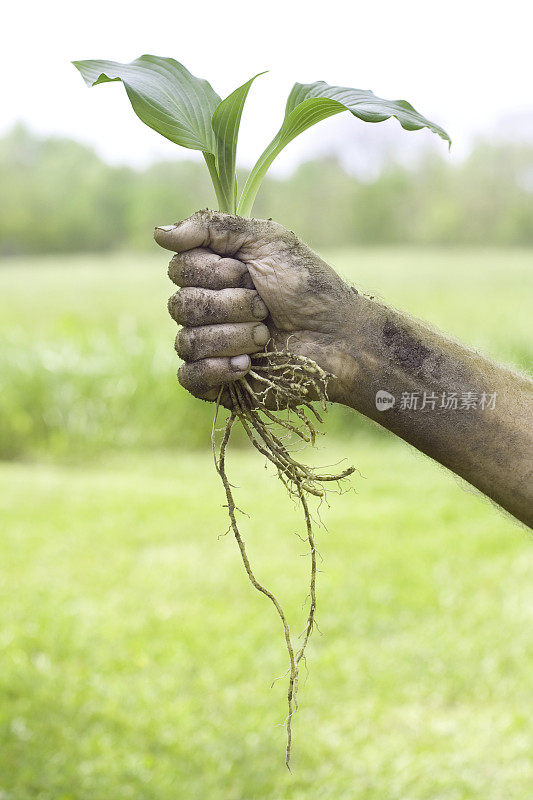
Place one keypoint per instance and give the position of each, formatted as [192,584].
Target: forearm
[469,414]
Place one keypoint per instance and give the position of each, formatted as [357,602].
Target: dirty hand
[245,283]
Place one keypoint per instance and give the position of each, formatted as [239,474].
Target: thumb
[222,233]
[185,235]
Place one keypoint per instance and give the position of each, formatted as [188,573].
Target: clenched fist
[245,283]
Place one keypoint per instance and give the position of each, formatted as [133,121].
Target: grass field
[136,660]
[86,344]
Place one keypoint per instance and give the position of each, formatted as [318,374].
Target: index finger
[203,268]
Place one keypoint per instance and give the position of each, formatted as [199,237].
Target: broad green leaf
[310,103]
[226,122]
[164,95]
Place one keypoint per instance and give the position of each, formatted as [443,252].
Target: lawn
[135,658]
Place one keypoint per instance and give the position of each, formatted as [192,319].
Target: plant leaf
[164,95]
[309,103]
[226,122]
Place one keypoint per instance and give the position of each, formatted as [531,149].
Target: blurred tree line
[57,195]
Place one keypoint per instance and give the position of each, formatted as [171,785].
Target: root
[287,382]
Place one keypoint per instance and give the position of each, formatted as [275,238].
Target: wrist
[357,358]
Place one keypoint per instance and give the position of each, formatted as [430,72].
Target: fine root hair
[289,384]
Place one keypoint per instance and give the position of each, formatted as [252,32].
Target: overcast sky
[463,63]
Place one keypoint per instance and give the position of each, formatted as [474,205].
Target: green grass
[86,345]
[135,658]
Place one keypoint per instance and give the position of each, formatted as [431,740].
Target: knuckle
[195,379]
[187,307]
[188,379]
[185,344]
[183,376]
[175,307]
[175,269]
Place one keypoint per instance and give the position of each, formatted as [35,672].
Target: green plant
[187,110]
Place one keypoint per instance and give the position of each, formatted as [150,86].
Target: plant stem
[255,178]
[225,204]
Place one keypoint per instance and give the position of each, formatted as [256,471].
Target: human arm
[247,281]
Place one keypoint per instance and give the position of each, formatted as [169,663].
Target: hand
[246,282]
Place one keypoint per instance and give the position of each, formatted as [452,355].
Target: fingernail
[259,309]
[260,334]
[166,227]
[240,363]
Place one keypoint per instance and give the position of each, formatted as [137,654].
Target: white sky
[463,63]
